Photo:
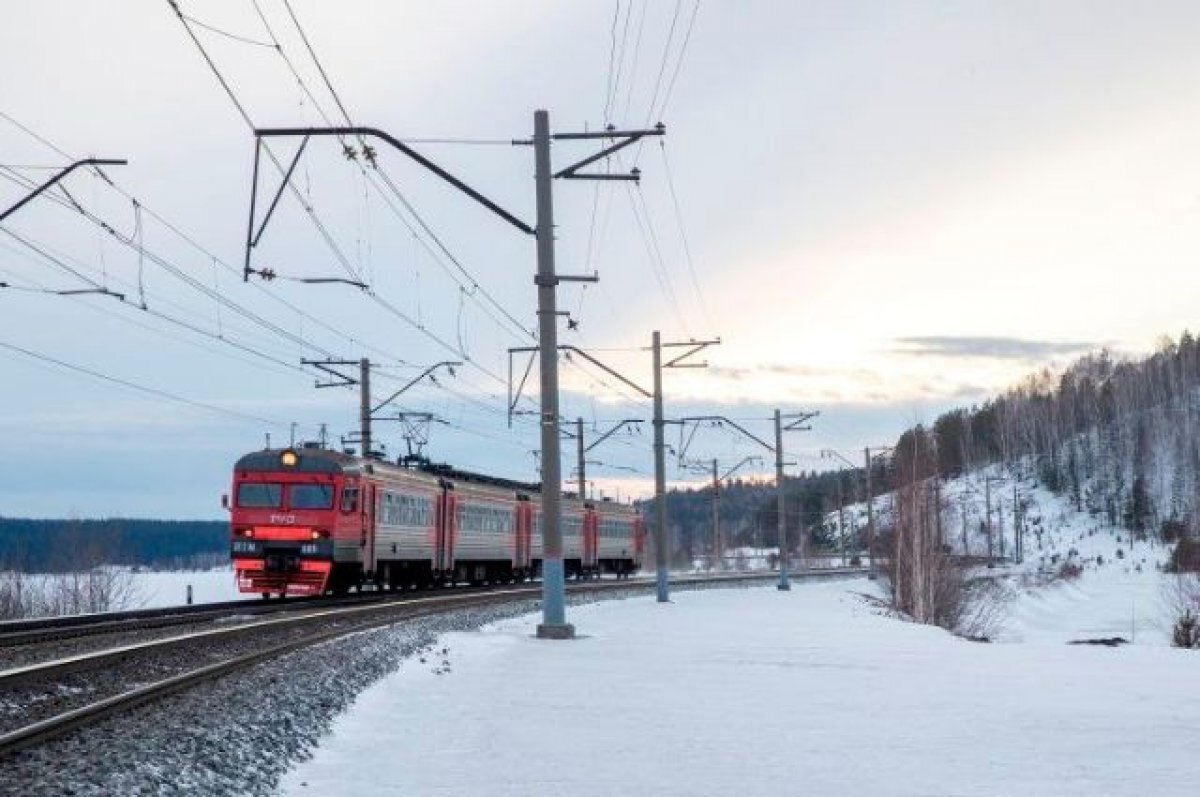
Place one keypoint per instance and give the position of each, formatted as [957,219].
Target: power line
[687,249]
[134,386]
[57,259]
[663,66]
[654,252]
[227,34]
[637,49]
[687,37]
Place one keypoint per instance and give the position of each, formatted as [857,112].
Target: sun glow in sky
[882,209]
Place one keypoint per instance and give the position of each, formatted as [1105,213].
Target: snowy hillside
[1113,585]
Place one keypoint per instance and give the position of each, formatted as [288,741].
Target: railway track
[52,698]
[25,632]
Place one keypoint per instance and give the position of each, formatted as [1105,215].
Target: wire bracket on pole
[515,396]
[330,367]
[53,180]
[626,137]
[449,365]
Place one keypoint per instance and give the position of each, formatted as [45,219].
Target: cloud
[991,348]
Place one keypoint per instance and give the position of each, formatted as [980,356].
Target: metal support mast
[796,425]
[716,507]
[554,624]
[781,518]
[660,477]
[871,574]
[364,405]
[579,452]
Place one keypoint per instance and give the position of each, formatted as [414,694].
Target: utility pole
[579,451]
[966,551]
[872,573]
[716,517]
[780,519]
[1000,524]
[554,624]
[367,413]
[660,478]
[364,405]
[987,504]
[1018,526]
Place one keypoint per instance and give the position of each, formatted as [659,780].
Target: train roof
[325,460]
[308,460]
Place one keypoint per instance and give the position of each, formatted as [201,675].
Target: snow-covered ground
[169,588]
[759,692]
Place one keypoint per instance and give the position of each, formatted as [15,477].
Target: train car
[309,521]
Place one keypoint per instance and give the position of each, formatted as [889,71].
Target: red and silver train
[307,521]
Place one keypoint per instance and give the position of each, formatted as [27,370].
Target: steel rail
[25,632]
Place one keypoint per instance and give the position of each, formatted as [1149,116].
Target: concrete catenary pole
[781,517]
[554,624]
[716,507]
[870,516]
[579,452]
[987,510]
[364,406]
[660,478]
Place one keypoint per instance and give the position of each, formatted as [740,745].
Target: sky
[882,209]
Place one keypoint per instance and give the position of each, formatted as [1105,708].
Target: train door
[591,522]
[445,525]
[367,541]
[439,529]
[524,532]
[451,527]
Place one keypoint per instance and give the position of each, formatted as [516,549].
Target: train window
[349,499]
[310,496]
[254,495]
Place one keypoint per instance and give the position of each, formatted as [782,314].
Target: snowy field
[757,692]
[169,588]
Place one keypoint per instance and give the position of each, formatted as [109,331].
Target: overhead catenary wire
[58,259]
[218,296]
[687,37]
[151,391]
[687,248]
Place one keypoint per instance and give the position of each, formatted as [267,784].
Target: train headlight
[247,532]
[316,535]
[289,458]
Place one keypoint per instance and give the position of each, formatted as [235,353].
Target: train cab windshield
[310,496]
[256,495]
[261,495]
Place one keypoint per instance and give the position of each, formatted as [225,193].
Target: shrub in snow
[1185,558]
[1070,571]
[1120,554]
[1185,633]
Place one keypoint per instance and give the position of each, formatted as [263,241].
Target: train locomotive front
[289,511]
